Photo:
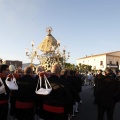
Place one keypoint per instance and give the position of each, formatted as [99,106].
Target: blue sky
[85,27]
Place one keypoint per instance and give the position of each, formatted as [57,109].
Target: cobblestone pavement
[88,110]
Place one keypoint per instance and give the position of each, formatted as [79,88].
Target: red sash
[3,101]
[54,109]
[24,105]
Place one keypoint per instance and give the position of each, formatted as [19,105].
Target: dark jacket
[26,89]
[60,95]
[98,77]
[75,87]
[106,90]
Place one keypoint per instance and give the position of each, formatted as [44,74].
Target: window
[110,62]
[101,62]
[117,63]
[94,67]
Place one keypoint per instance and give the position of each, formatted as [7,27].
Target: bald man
[56,104]
[56,69]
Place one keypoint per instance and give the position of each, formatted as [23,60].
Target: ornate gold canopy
[47,44]
[51,55]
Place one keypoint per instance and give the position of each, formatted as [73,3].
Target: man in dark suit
[106,89]
[25,96]
[56,105]
[98,77]
[4,96]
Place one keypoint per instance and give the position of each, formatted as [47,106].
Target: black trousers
[12,106]
[24,114]
[54,116]
[3,111]
[109,111]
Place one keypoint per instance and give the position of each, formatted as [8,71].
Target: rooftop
[115,53]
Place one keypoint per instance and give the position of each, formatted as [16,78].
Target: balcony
[112,66]
[101,66]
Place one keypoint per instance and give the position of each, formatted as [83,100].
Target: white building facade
[102,61]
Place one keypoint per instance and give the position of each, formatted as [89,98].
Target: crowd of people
[24,104]
[62,101]
[106,90]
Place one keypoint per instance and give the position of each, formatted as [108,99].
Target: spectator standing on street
[93,78]
[106,89]
[89,77]
[98,77]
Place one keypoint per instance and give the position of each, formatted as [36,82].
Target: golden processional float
[51,54]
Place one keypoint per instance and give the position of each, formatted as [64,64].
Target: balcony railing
[112,66]
[101,66]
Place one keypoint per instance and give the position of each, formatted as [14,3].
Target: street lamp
[51,57]
[65,57]
[33,53]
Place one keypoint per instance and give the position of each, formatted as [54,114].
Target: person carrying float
[25,96]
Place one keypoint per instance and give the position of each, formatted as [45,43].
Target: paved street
[88,111]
